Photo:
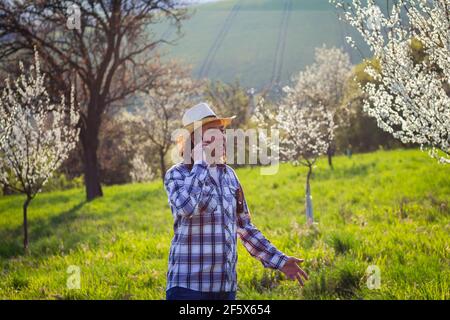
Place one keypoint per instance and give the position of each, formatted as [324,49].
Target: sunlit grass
[389,209]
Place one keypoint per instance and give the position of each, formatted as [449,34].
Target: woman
[209,211]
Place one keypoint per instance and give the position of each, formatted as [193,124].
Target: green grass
[389,209]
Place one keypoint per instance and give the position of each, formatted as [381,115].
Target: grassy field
[389,209]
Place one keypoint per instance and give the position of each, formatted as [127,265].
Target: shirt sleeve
[185,192]
[254,241]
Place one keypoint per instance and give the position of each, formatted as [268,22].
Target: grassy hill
[257,41]
[389,209]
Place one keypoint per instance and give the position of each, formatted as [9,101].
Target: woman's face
[213,131]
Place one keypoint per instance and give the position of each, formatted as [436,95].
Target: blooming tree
[36,135]
[323,82]
[108,49]
[410,97]
[305,132]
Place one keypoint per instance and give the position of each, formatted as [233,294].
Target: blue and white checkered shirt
[203,251]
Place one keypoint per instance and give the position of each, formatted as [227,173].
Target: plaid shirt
[203,251]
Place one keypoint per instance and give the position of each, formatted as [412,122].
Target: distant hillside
[260,42]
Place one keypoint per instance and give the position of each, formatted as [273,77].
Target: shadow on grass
[345,172]
[39,229]
[137,196]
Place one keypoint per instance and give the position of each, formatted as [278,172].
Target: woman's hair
[183,143]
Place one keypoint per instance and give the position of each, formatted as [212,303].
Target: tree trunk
[91,173]
[309,208]
[90,141]
[330,156]
[25,224]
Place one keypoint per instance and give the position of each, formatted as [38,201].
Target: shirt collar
[220,166]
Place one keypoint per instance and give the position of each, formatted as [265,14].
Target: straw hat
[202,112]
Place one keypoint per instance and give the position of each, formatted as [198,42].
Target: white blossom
[36,135]
[305,116]
[323,81]
[305,129]
[409,99]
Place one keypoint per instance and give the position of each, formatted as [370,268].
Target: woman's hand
[212,150]
[292,270]
[199,152]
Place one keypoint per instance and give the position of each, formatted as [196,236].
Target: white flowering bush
[324,80]
[36,134]
[305,118]
[323,83]
[304,129]
[409,98]
[305,132]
